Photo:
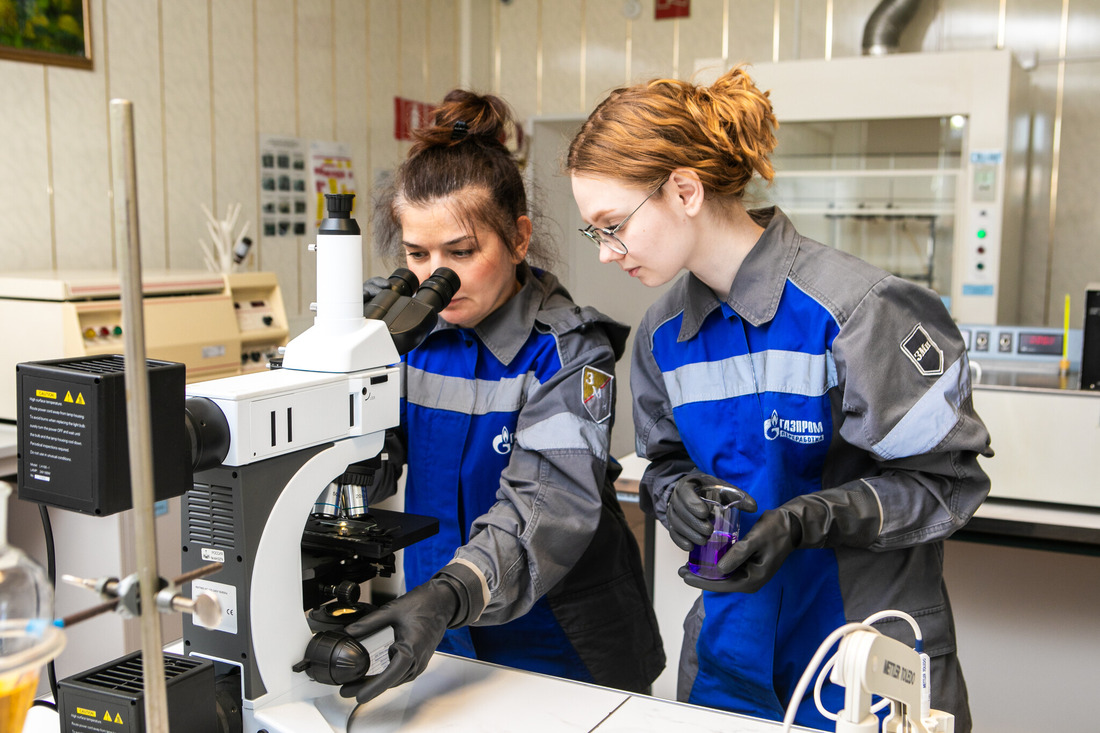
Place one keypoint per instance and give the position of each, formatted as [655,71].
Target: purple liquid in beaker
[703,559]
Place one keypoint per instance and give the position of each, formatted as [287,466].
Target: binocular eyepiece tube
[409,308]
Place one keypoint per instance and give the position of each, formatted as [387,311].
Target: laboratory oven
[216,324]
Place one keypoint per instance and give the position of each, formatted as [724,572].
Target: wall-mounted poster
[330,165]
[284,186]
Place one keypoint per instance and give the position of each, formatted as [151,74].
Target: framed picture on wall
[46,32]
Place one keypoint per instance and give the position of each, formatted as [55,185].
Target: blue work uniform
[506,428]
[816,371]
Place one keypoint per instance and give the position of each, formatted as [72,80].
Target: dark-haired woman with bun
[835,395]
[505,432]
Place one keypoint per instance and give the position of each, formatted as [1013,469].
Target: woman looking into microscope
[505,431]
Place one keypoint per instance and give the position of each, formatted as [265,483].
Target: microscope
[281,458]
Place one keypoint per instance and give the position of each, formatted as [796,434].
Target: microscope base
[321,715]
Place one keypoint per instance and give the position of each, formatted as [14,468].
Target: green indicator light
[981,234]
[118,330]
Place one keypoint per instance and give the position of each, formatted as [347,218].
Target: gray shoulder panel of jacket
[561,317]
[833,278]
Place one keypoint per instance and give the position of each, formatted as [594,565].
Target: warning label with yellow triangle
[68,397]
[80,398]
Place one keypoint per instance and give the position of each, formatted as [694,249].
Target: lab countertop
[459,695]
[1036,525]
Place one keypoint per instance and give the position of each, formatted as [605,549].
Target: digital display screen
[1048,344]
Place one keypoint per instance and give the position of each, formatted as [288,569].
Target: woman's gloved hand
[374,286]
[689,521]
[419,619]
[848,517]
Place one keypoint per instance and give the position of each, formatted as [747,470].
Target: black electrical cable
[51,573]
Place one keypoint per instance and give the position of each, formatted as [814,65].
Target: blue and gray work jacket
[506,429]
[816,371]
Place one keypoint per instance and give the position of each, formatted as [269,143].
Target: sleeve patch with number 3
[596,393]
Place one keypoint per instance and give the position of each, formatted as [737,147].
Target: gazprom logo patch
[805,432]
[502,443]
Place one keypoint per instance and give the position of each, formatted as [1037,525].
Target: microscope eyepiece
[403,281]
[408,308]
[338,205]
[401,284]
[438,289]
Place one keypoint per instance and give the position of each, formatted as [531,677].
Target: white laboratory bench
[459,695]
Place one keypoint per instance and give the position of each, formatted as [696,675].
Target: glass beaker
[726,517]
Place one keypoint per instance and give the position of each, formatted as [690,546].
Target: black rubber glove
[450,599]
[689,522]
[848,517]
[374,286]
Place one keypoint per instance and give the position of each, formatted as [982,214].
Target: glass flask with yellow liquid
[28,638]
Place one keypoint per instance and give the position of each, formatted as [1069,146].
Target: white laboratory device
[266,445]
[868,664]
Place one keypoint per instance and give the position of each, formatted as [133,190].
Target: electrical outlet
[1004,343]
[981,341]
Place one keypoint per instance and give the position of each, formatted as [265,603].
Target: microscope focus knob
[345,592]
[334,658]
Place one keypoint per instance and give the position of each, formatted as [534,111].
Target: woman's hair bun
[464,115]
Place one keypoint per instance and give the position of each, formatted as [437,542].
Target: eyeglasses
[601,236]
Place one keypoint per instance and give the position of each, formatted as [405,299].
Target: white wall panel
[812,21]
[561,58]
[315,70]
[81,162]
[519,36]
[1083,37]
[849,20]
[188,120]
[385,152]
[276,95]
[132,52]
[962,25]
[351,103]
[478,51]
[235,134]
[316,100]
[788,29]
[701,35]
[1076,262]
[652,49]
[604,49]
[1035,245]
[26,238]
[412,58]
[750,31]
[443,49]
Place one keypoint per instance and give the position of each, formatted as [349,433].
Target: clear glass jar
[28,637]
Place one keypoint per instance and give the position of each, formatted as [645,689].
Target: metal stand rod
[128,248]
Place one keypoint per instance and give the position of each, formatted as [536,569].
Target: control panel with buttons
[1022,345]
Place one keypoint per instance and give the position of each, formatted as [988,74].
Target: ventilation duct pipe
[884,27]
